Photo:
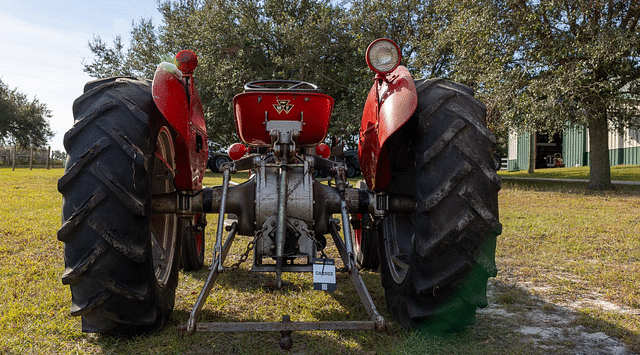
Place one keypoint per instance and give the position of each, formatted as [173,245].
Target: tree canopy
[544,65]
[23,122]
[538,65]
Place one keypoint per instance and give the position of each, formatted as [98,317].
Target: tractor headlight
[383,56]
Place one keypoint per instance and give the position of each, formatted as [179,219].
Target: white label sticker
[324,274]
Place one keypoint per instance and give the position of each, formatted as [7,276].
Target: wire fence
[16,157]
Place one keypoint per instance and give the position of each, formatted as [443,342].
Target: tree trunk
[532,152]
[599,151]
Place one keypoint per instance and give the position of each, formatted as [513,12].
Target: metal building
[572,145]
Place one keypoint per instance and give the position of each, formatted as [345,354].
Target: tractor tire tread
[456,220]
[106,200]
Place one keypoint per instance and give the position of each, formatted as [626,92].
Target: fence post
[49,158]
[30,158]
[13,159]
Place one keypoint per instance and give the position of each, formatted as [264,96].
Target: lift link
[214,271]
[378,321]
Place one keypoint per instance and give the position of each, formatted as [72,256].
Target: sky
[44,42]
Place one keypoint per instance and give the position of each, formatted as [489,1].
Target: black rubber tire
[366,251]
[121,260]
[435,263]
[498,160]
[365,243]
[221,160]
[193,242]
[211,164]
[352,171]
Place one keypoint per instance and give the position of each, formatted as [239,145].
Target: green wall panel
[522,161]
[624,156]
[574,146]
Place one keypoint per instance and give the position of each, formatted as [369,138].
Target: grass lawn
[562,247]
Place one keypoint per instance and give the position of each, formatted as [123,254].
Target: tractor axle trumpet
[208,200]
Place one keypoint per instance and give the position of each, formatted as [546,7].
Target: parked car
[353,165]
[217,157]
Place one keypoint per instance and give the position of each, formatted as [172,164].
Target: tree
[59,155]
[7,110]
[23,122]
[239,41]
[544,65]
[108,61]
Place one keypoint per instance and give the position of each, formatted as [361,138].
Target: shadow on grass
[516,322]
[553,328]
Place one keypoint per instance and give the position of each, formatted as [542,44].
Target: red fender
[177,99]
[380,119]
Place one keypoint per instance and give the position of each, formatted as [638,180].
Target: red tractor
[134,206]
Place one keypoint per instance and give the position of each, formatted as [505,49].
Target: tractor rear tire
[366,245]
[121,260]
[435,263]
[366,240]
[193,242]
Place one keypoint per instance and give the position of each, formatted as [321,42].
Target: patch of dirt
[550,328]
[594,300]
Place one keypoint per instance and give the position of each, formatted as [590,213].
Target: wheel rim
[398,230]
[221,161]
[163,226]
[398,238]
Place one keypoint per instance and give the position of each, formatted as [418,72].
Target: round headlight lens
[383,56]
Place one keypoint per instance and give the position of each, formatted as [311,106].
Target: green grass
[578,244]
[620,172]
[561,240]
